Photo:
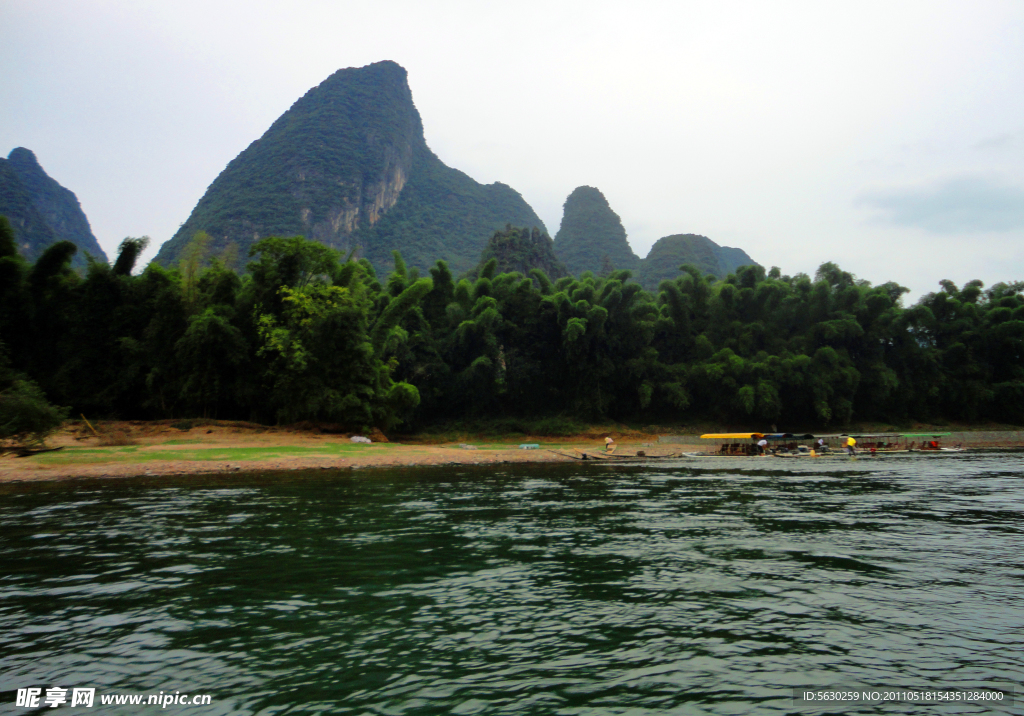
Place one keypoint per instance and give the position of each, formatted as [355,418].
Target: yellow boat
[732,436]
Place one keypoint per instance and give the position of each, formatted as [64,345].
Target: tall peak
[333,164]
[24,158]
[347,165]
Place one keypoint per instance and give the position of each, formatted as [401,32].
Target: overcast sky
[885,136]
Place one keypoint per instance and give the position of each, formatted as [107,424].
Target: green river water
[696,587]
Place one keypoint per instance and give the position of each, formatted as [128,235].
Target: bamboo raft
[640,456]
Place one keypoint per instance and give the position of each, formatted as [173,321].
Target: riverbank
[130,449]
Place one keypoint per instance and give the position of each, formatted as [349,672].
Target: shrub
[26,418]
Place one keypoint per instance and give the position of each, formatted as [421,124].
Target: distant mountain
[730,259]
[671,252]
[31,231]
[523,250]
[348,165]
[591,237]
[41,211]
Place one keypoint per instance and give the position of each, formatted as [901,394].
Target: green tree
[26,418]
[210,354]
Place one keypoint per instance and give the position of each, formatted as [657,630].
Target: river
[696,587]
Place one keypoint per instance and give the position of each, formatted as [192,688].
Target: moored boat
[866,443]
[790,445]
[874,444]
[929,442]
[731,445]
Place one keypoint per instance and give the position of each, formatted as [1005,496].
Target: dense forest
[307,334]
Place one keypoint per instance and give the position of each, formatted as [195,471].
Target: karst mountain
[347,165]
[591,237]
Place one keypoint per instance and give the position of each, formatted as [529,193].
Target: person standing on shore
[851,446]
[609,444]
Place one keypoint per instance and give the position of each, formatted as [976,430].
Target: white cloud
[1000,141]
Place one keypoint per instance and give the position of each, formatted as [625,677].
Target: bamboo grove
[306,334]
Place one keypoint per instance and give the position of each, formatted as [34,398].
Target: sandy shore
[400,456]
[160,449]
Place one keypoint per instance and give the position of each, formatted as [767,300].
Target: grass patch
[97,455]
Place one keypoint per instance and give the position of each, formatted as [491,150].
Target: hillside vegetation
[521,251]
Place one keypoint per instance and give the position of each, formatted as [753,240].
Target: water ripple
[708,586]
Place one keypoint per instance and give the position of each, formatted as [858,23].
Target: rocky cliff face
[364,208]
[591,237]
[41,211]
[337,166]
